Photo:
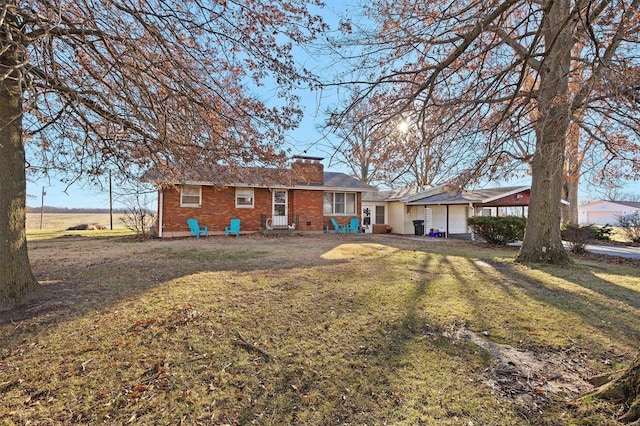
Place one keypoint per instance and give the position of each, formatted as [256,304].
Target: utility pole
[42,206]
[110,203]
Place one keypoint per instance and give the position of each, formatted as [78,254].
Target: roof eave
[305,187]
[505,194]
[330,188]
[236,184]
[440,203]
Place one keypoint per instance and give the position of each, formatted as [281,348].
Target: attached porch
[447,213]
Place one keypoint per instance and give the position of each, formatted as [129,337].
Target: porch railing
[278,222]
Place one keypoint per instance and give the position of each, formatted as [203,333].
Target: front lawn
[314,330]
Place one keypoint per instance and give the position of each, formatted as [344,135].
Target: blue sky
[78,195]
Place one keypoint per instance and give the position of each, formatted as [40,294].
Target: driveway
[607,249]
[613,250]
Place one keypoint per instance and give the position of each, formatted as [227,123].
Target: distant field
[62,221]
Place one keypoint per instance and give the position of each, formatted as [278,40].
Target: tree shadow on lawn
[536,318]
[388,364]
[421,358]
[85,274]
[377,361]
[602,305]
[292,380]
[361,366]
[584,276]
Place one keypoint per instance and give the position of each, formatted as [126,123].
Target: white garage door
[603,218]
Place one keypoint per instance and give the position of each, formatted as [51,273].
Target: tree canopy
[157,81]
[517,73]
[405,150]
[94,84]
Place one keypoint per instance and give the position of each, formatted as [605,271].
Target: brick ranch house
[304,196]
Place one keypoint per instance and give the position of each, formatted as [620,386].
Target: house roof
[477,196]
[390,195]
[262,177]
[341,180]
[442,194]
[606,204]
[633,204]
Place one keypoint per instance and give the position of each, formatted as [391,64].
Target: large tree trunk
[571,178]
[16,278]
[570,194]
[542,241]
[574,156]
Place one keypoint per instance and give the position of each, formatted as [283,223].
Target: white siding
[604,217]
[398,219]
[602,213]
[372,207]
[458,219]
[401,218]
[439,218]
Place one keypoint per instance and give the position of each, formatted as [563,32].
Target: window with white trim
[339,203]
[244,198]
[191,196]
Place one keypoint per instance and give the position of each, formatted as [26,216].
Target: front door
[372,215]
[367,222]
[280,219]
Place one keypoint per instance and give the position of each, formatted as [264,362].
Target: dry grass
[317,330]
[62,221]
[55,225]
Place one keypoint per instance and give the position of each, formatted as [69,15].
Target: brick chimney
[308,170]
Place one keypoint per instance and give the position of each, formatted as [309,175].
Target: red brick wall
[520,199]
[307,205]
[218,208]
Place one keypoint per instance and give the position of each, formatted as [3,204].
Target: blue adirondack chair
[196,229]
[336,228]
[354,225]
[233,228]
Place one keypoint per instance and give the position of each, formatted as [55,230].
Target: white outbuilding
[605,212]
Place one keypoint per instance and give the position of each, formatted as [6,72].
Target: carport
[449,210]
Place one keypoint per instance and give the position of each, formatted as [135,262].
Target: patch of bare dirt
[532,379]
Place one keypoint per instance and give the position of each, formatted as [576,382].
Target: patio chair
[336,228]
[233,228]
[354,225]
[196,229]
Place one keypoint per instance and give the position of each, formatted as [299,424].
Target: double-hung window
[244,198]
[191,196]
[339,203]
[380,215]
